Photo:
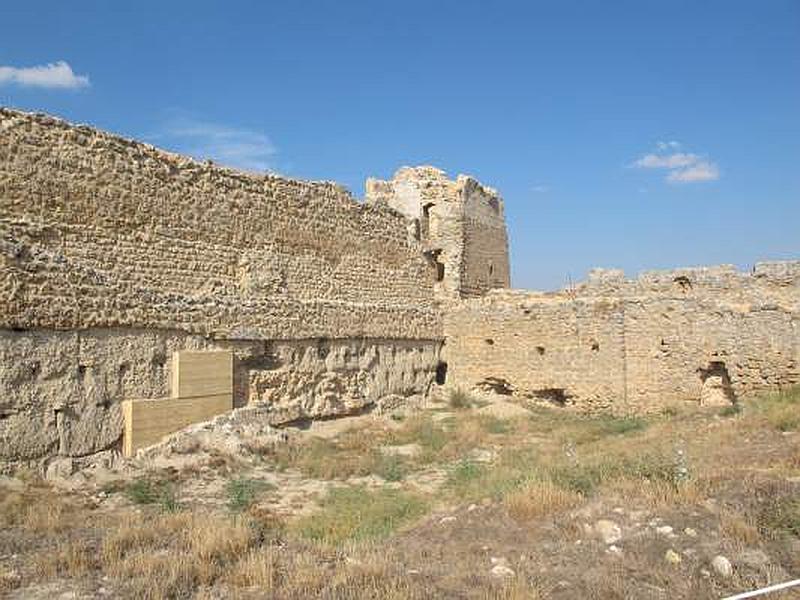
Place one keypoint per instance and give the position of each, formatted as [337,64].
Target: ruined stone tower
[460,225]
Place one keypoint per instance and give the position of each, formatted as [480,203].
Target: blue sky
[628,134]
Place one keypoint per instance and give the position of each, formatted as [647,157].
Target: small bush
[781,516]
[242,492]
[458,399]
[354,513]
[465,472]
[579,479]
[423,431]
[623,425]
[145,491]
[670,411]
[540,497]
[495,425]
[390,467]
[141,491]
[730,411]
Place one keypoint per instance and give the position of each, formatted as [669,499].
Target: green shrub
[458,398]
[731,410]
[622,425]
[495,425]
[147,491]
[782,516]
[141,491]
[355,513]
[464,472]
[242,492]
[391,467]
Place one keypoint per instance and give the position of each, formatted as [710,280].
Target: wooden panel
[202,374]
[148,421]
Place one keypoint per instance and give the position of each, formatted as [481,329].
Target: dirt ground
[470,497]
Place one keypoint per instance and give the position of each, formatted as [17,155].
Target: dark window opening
[439,271]
[490,341]
[122,372]
[595,346]
[433,257]
[491,269]
[416,229]
[158,362]
[425,224]
[494,204]
[557,396]
[441,373]
[683,283]
[323,348]
[498,385]
[34,369]
[81,373]
[540,350]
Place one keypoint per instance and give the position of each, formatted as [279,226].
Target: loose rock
[608,531]
[722,566]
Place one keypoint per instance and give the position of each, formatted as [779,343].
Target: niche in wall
[716,388]
[441,373]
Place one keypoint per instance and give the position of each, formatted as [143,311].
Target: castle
[115,255]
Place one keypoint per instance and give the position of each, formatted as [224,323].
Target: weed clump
[146,491]
[242,492]
[459,399]
[355,513]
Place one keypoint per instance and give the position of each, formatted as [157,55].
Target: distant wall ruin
[707,335]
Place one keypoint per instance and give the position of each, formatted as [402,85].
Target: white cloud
[53,75]
[234,147]
[540,189]
[682,167]
[668,161]
[699,171]
[668,145]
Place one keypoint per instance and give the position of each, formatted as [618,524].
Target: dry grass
[739,528]
[170,554]
[363,543]
[40,511]
[76,559]
[257,568]
[540,498]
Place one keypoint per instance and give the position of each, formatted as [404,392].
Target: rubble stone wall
[114,254]
[98,231]
[707,335]
[61,391]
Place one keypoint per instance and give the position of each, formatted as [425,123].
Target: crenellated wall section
[704,335]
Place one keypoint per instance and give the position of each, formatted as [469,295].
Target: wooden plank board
[202,373]
[148,421]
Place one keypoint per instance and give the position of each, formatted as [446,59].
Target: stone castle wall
[114,254]
[706,335]
[100,231]
[60,391]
